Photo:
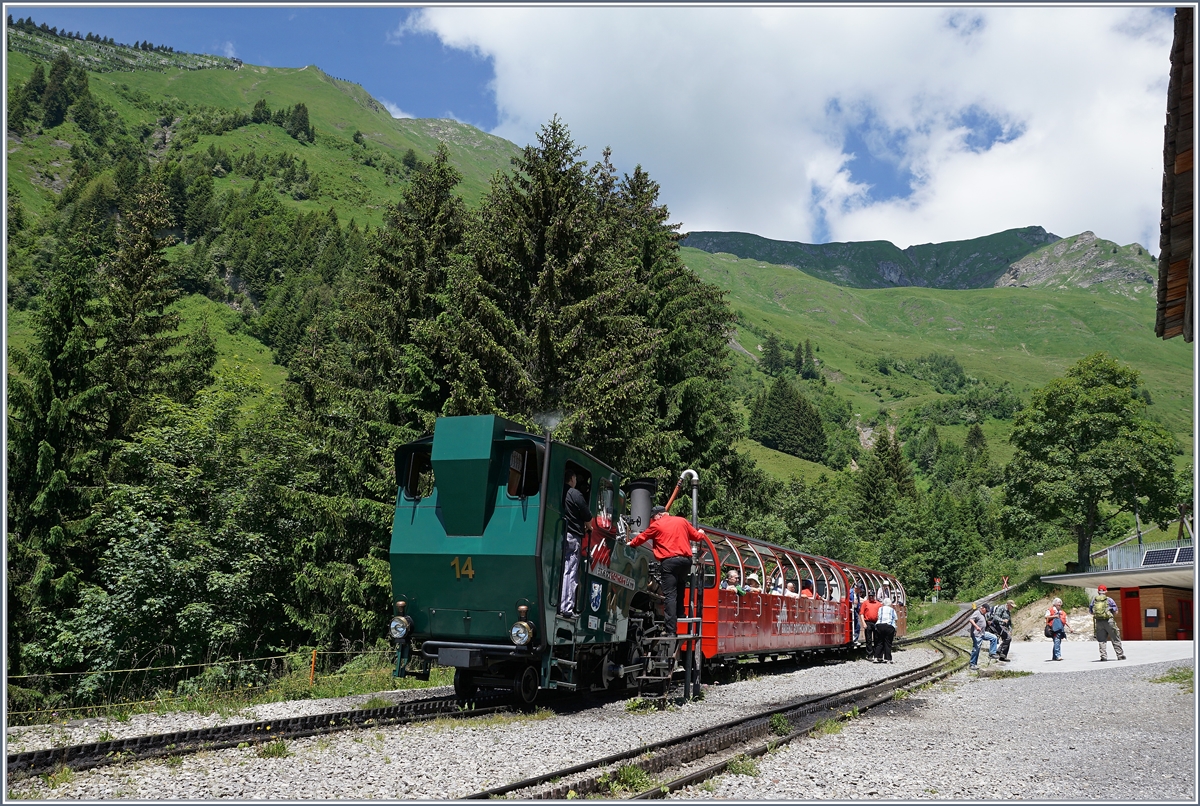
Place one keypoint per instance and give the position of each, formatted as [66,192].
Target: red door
[1185,618]
[1131,614]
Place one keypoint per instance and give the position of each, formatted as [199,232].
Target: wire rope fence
[223,685]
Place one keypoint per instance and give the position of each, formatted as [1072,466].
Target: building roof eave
[1174,576]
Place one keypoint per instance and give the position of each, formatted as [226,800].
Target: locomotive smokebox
[641,500]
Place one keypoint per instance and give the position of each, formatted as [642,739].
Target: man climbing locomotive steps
[527,564]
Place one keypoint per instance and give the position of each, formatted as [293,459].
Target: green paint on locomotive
[465,552]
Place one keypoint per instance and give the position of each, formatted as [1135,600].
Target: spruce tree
[887,450]
[141,356]
[56,98]
[811,430]
[810,371]
[55,428]
[798,362]
[772,355]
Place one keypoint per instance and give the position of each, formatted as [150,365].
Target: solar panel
[1185,555]
[1159,557]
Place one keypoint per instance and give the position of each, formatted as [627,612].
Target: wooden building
[1175,260]
[1153,586]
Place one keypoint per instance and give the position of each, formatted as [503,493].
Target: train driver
[577,516]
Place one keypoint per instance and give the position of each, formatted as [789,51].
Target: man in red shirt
[870,615]
[672,537]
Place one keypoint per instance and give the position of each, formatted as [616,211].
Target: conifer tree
[772,355]
[887,450]
[809,370]
[798,362]
[56,98]
[141,356]
[55,427]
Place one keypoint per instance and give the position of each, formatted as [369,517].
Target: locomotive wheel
[464,684]
[527,687]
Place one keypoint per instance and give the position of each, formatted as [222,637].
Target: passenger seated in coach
[732,580]
[777,585]
[806,589]
[752,584]
[790,591]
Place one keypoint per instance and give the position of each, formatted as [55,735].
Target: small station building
[1153,585]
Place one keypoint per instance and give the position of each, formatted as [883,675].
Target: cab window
[418,475]
[524,471]
[583,482]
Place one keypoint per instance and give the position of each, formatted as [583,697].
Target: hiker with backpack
[1000,623]
[1057,626]
[1104,612]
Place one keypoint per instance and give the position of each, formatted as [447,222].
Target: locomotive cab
[477,560]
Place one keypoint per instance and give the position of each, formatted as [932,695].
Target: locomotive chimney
[641,500]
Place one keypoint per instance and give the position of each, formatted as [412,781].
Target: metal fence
[1149,554]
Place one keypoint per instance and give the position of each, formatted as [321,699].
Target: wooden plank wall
[1166,600]
[1175,261]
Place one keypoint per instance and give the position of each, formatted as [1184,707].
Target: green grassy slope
[336,108]
[236,350]
[1026,336]
[974,263]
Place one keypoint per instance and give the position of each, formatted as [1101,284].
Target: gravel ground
[449,759]
[23,738]
[937,744]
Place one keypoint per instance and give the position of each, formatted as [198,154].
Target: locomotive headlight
[400,627]
[521,633]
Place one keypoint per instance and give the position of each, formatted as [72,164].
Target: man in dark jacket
[673,537]
[1000,623]
[577,517]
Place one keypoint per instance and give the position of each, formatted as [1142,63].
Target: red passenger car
[775,621]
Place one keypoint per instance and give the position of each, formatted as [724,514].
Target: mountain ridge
[982,262]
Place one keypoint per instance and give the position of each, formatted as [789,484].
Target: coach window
[773,577]
[524,471]
[827,583]
[751,562]
[708,571]
[755,564]
[898,594]
[790,574]
[418,474]
[730,561]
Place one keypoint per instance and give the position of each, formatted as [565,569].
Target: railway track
[98,754]
[161,745]
[714,747]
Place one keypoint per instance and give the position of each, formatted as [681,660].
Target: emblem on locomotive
[595,598]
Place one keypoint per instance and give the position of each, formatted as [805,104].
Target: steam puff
[228,50]
[395,111]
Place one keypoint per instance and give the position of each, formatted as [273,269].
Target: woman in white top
[885,631]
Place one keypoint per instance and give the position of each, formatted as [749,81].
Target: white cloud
[742,113]
[395,110]
[228,50]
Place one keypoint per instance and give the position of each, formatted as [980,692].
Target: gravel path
[450,759]
[937,744]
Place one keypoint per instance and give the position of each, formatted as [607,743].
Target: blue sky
[811,124]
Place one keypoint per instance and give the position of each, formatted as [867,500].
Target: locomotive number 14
[464,570]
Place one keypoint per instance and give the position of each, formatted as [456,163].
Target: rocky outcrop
[1084,261]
